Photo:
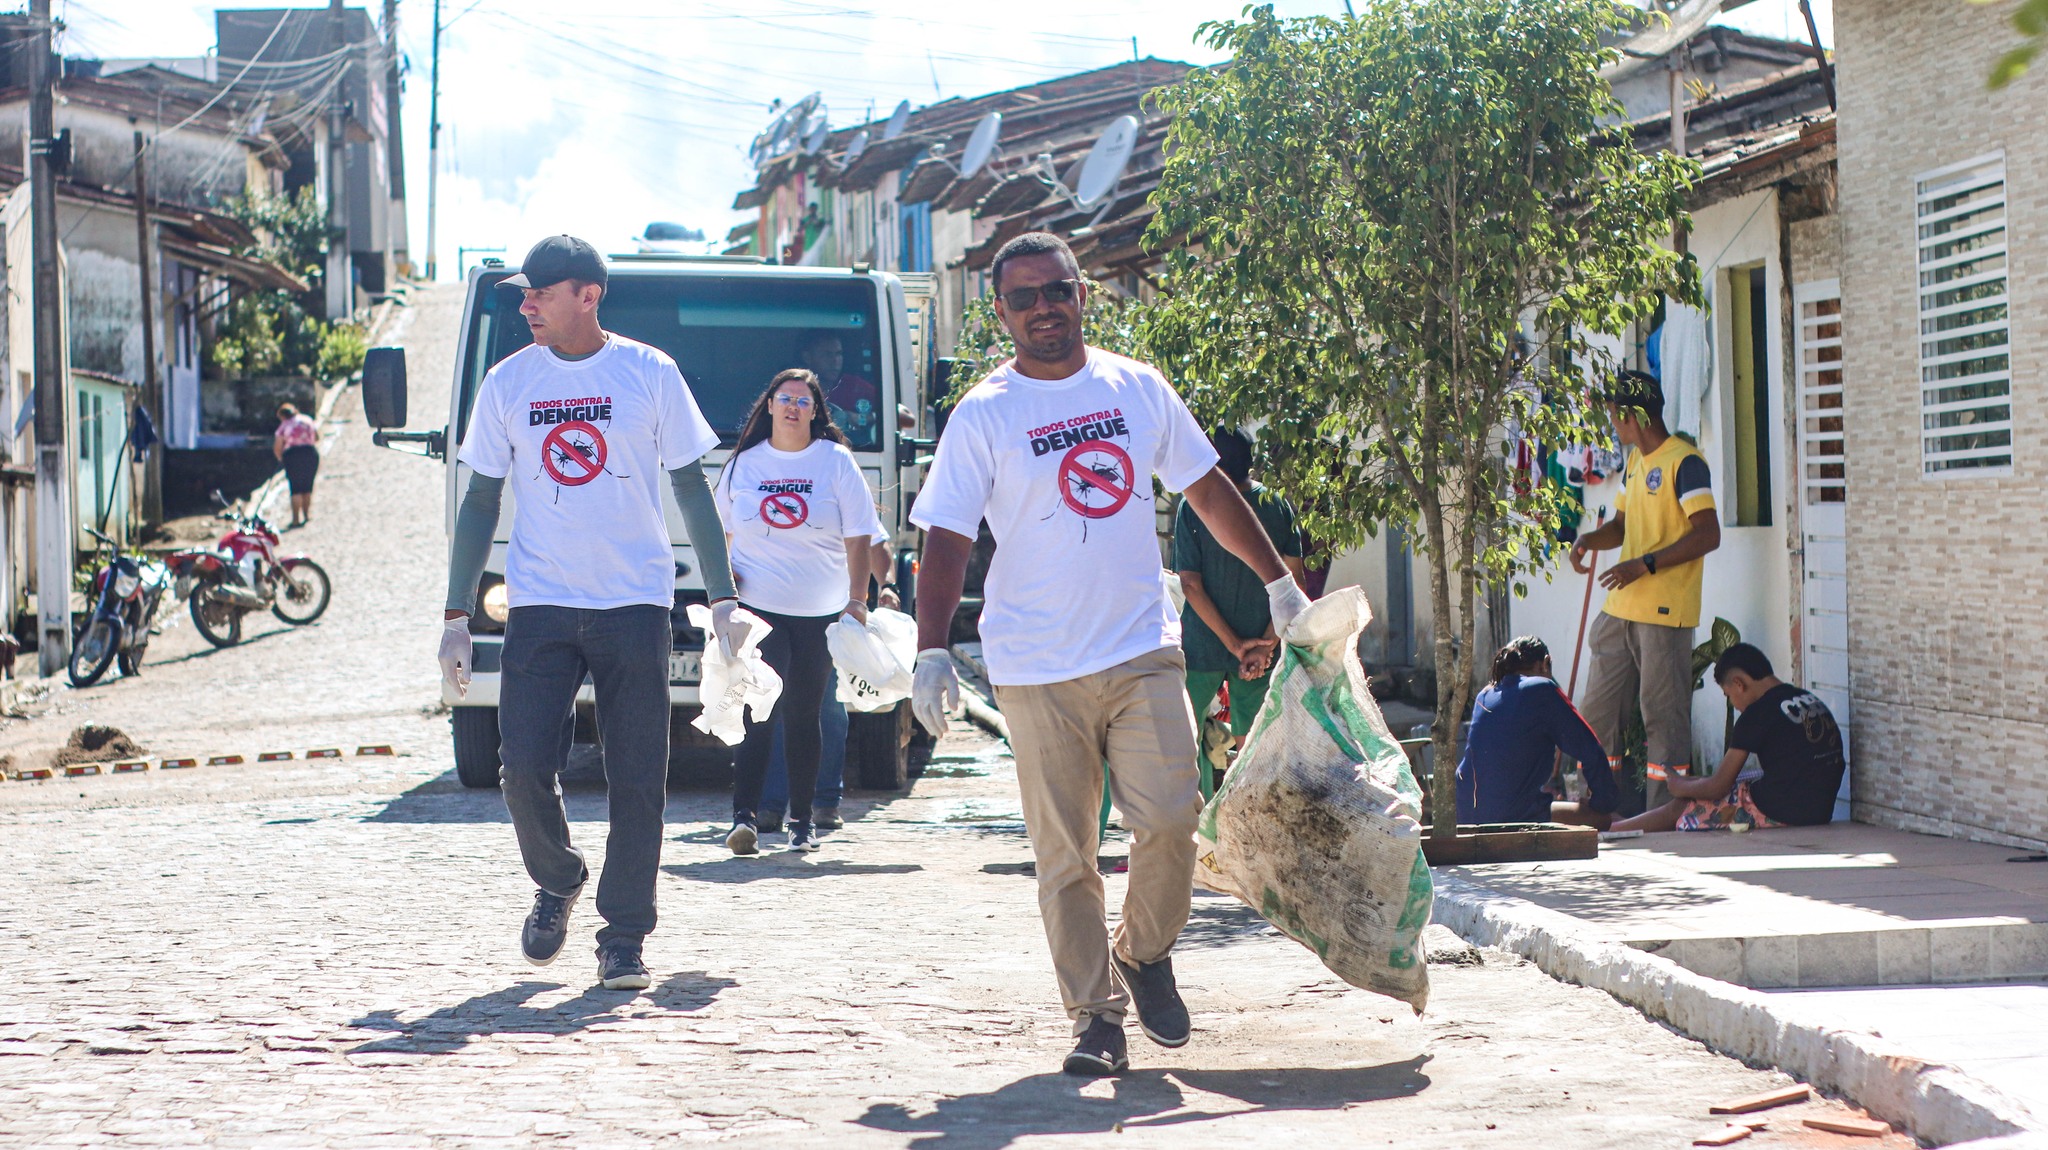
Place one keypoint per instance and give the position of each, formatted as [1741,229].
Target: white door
[1823,493]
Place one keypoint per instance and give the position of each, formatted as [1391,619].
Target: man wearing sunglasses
[1057,450]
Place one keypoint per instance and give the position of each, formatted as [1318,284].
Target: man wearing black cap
[1665,524]
[584,423]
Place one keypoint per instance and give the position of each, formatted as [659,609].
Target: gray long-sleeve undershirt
[476,521]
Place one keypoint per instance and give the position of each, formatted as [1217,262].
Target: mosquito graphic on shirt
[573,455]
[1095,481]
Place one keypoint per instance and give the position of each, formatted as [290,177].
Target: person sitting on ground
[1798,749]
[1519,722]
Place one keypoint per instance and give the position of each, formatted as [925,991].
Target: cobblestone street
[325,953]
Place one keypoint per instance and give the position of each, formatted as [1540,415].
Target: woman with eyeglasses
[799,520]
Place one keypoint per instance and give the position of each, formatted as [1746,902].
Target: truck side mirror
[384,386]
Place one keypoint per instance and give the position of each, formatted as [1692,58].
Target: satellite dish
[1106,161]
[815,138]
[981,145]
[898,121]
[855,149]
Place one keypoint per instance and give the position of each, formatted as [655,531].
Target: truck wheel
[878,748]
[476,746]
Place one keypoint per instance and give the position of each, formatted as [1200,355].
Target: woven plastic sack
[876,663]
[1318,826]
[730,689]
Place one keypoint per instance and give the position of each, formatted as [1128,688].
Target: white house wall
[1748,580]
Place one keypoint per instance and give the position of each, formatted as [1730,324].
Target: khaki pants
[1136,717]
[1652,665]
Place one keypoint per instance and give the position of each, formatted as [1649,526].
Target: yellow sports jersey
[1659,493]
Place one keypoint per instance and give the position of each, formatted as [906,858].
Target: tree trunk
[1444,741]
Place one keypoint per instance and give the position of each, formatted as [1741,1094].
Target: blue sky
[597,117]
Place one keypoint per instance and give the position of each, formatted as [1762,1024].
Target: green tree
[268,332]
[1364,215]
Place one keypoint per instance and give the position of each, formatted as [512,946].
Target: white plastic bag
[877,662]
[730,689]
[1318,825]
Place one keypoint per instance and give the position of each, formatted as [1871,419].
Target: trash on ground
[96,743]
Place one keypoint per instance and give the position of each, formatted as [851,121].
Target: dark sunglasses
[1058,291]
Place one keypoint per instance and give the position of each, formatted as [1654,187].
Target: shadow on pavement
[1053,1103]
[451,1028]
[779,865]
[249,639]
[1216,922]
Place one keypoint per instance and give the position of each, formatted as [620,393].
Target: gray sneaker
[547,926]
[827,819]
[619,966]
[1155,999]
[1101,1050]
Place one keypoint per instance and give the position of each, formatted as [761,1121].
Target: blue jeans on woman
[831,759]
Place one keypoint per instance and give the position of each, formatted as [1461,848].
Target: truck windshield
[730,335]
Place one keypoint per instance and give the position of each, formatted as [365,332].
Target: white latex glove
[1285,598]
[729,632]
[456,660]
[934,690]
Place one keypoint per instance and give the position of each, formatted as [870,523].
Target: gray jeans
[548,650]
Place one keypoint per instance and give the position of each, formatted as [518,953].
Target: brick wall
[1948,579]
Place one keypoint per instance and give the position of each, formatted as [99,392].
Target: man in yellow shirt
[1665,524]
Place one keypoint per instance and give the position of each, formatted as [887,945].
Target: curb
[1934,1101]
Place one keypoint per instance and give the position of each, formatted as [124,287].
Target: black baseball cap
[559,258]
[1636,391]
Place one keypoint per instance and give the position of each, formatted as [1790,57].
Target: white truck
[731,323]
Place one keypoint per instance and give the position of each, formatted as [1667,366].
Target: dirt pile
[93,743]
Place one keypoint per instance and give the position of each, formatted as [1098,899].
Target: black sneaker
[827,819]
[769,823]
[1101,1050]
[802,837]
[547,926]
[619,966]
[1155,999]
[744,839]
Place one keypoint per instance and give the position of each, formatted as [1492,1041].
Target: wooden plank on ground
[1726,1135]
[1860,1127]
[1764,1101]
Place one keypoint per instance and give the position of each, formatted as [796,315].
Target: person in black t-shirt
[1795,740]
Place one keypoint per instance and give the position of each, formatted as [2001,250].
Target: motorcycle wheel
[303,592]
[94,649]
[218,623]
[130,661]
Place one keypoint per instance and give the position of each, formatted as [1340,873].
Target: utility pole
[433,141]
[152,394]
[394,137]
[340,289]
[53,478]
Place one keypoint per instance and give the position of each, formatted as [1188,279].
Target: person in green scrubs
[1227,629]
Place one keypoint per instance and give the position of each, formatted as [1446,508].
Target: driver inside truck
[854,401]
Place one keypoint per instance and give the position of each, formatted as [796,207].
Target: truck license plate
[685,666]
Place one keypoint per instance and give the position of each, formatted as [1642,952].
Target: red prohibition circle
[578,465]
[1077,479]
[777,510]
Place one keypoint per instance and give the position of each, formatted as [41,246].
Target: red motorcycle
[245,573]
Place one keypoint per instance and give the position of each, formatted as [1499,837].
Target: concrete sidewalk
[1907,972]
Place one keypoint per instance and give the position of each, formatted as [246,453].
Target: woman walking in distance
[293,444]
[798,520]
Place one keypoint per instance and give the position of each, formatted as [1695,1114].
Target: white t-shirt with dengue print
[585,446]
[789,514]
[1062,470]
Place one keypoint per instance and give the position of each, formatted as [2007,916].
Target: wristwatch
[1650,561]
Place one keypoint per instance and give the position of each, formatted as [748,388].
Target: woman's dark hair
[760,421]
[286,411]
[1743,657]
[1519,657]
